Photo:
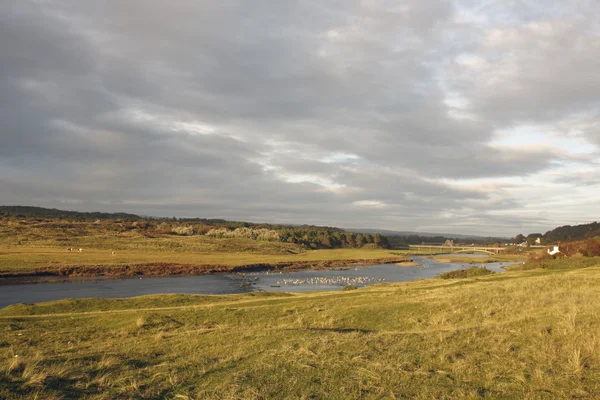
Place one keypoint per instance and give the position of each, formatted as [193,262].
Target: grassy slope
[528,334]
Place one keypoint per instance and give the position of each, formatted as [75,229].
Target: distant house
[449,242]
[538,241]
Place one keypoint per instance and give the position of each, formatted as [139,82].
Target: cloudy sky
[441,116]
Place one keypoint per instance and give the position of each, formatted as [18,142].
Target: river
[298,281]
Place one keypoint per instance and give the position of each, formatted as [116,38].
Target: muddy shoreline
[168,269]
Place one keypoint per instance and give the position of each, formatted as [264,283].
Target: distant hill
[40,212]
[420,234]
[571,233]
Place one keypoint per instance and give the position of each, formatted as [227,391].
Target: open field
[527,334]
[31,261]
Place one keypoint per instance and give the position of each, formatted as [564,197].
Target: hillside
[39,212]
[576,232]
[484,337]
[566,233]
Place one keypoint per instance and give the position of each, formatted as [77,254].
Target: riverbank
[485,336]
[233,263]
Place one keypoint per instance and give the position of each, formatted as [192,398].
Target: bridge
[457,249]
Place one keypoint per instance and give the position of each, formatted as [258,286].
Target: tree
[519,239]
[532,237]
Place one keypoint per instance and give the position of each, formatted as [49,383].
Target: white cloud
[369,204]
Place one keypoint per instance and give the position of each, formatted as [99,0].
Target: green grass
[527,334]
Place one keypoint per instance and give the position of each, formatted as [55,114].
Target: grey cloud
[239,110]
[540,70]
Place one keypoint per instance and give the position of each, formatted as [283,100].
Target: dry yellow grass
[24,259]
[531,334]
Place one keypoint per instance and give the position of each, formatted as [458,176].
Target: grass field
[28,259]
[526,334]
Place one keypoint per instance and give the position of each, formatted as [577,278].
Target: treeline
[324,238]
[310,237]
[562,234]
[577,232]
[401,242]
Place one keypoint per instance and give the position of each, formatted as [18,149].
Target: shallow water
[298,281]
[113,288]
[336,279]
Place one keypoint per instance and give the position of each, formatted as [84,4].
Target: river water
[298,281]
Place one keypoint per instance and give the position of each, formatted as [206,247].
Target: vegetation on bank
[579,254]
[466,273]
[528,334]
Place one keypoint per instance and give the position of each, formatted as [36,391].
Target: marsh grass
[530,334]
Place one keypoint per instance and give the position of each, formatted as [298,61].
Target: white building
[553,251]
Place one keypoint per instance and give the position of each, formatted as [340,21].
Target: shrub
[183,230]
[247,233]
[466,273]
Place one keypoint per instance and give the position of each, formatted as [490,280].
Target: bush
[246,233]
[466,273]
[183,230]
[349,287]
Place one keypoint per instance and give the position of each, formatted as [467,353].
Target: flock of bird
[334,280]
[251,278]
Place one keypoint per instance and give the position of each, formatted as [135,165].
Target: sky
[472,117]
